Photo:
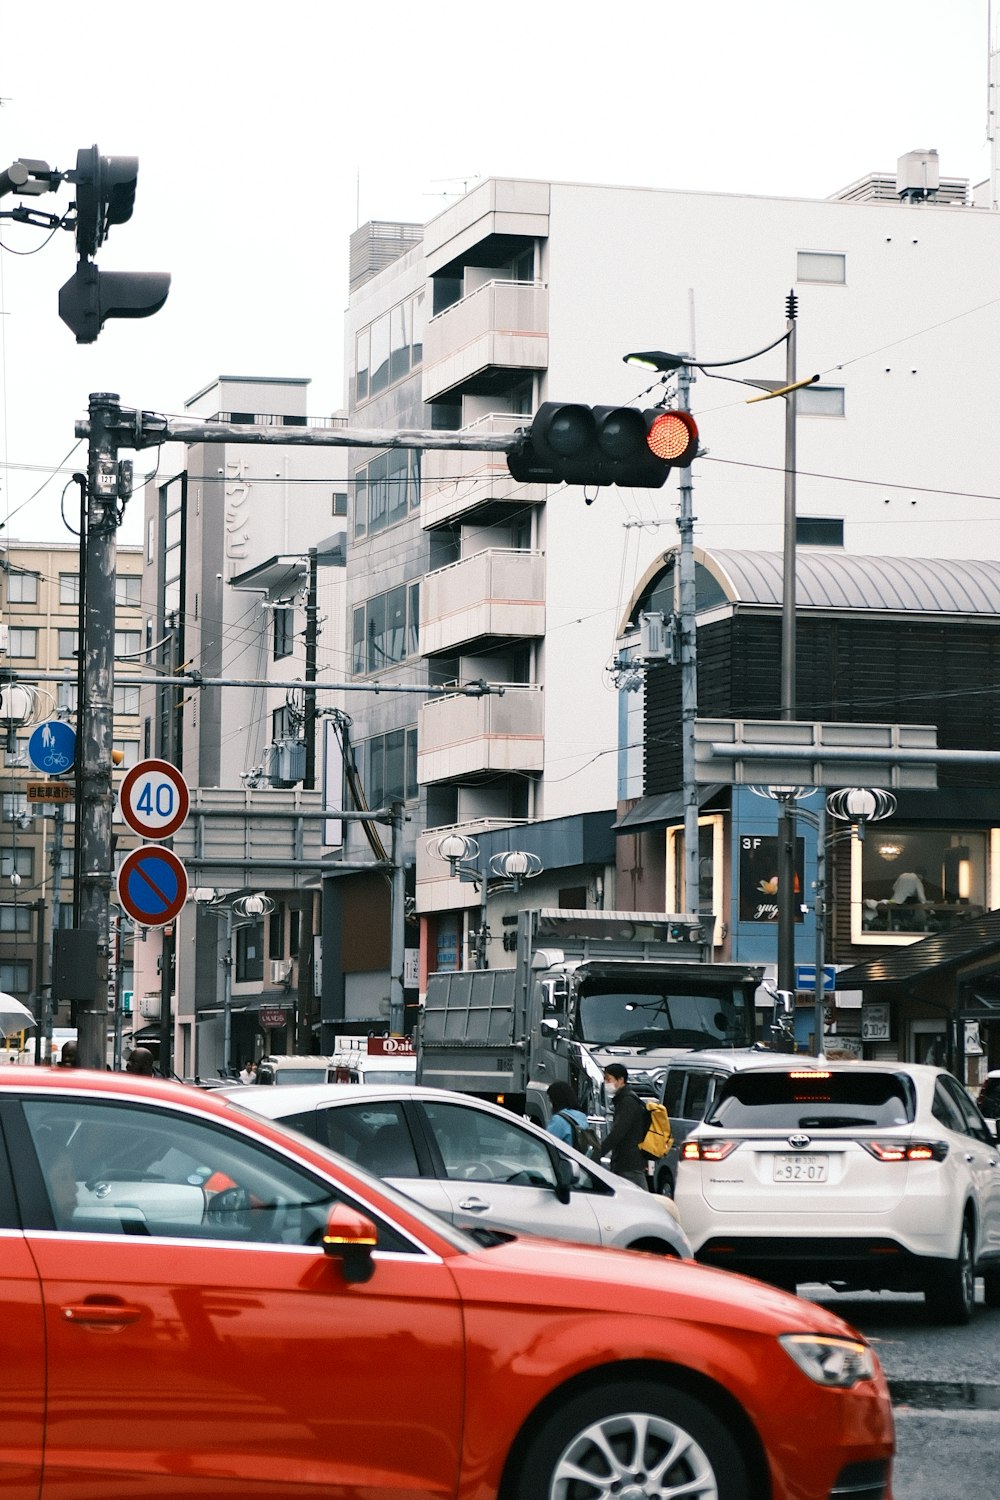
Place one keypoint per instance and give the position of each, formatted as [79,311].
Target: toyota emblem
[799,1142]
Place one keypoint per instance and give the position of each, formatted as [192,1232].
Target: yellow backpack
[658,1138]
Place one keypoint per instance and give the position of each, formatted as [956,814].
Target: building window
[821,265]
[17,861]
[820,401]
[128,642]
[390,767]
[22,588]
[69,641]
[819,531]
[284,630]
[388,349]
[128,590]
[130,752]
[908,882]
[250,953]
[67,697]
[385,629]
[15,918]
[126,701]
[15,978]
[711,846]
[276,933]
[69,588]
[340,502]
[22,643]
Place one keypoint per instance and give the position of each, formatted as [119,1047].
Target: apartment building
[39,608]
[242,576]
[521,292]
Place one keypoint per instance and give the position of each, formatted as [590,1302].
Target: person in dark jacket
[628,1127]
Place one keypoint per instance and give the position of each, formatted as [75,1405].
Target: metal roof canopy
[938,952]
[792,752]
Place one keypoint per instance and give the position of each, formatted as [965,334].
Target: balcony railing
[501,325]
[460,737]
[454,483]
[498,592]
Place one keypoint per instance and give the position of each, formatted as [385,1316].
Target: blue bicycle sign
[52,747]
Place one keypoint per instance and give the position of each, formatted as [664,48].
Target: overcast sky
[265,133]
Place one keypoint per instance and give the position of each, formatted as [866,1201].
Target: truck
[588,988]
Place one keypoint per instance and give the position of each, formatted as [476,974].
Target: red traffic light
[673,436]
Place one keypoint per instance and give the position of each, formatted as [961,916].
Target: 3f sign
[154,799]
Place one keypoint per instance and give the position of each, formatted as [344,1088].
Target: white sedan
[473,1162]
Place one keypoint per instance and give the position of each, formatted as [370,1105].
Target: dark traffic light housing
[105,195]
[598,445]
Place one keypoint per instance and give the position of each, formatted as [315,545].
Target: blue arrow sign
[805,977]
[52,747]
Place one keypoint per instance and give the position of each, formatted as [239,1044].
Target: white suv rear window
[754,1101]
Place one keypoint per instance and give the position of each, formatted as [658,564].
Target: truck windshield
[649,1019]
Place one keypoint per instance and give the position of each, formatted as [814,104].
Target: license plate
[800,1168]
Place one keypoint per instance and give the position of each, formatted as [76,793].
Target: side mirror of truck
[549,1025]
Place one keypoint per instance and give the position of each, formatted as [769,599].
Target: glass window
[284,625]
[397,469]
[820,401]
[358,639]
[418,328]
[69,588]
[946,1110]
[294,929]
[363,348]
[15,918]
[395,624]
[781,1101]
[128,590]
[21,861]
[130,752]
[413,621]
[412,785]
[361,502]
[22,588]
[68,642]
[917,880]
[15,977]
[126,699]
[250,952]
[128,1169]
[380,347]
[376,771]
[819,531]
[377,657]
[821,265]
[22,642]
[395,765]
[378,492]
[414,480]
[480,1147]
[399,341]
[128,642]
[15,804]
[276,933]
[339,503]
[66,697]
[373,1136]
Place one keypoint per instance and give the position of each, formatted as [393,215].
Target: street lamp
[513,866]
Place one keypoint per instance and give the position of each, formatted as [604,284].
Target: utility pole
[397,926]
[688,629]
[309,695]
[787,899]
[94,743]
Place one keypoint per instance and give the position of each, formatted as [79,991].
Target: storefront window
[908,882]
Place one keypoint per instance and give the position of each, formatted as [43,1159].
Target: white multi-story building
[524,291]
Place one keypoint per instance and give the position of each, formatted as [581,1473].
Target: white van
[373,1067]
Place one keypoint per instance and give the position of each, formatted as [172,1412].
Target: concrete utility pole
[788,900]
[688,633]
[106,488]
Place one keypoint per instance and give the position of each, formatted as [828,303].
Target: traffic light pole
[788,899]
[95,721]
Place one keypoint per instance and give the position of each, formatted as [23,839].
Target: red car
[196,1303]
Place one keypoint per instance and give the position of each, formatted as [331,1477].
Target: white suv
[862,1175]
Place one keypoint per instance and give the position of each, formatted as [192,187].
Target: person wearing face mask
[629,1124]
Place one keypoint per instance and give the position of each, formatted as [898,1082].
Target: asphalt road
[946,1392]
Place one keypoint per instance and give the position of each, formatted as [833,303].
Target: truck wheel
[619,1437]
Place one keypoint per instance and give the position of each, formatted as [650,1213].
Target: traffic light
[91,296]
[603,445]
[105,195]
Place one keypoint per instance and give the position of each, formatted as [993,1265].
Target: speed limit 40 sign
[154,799]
